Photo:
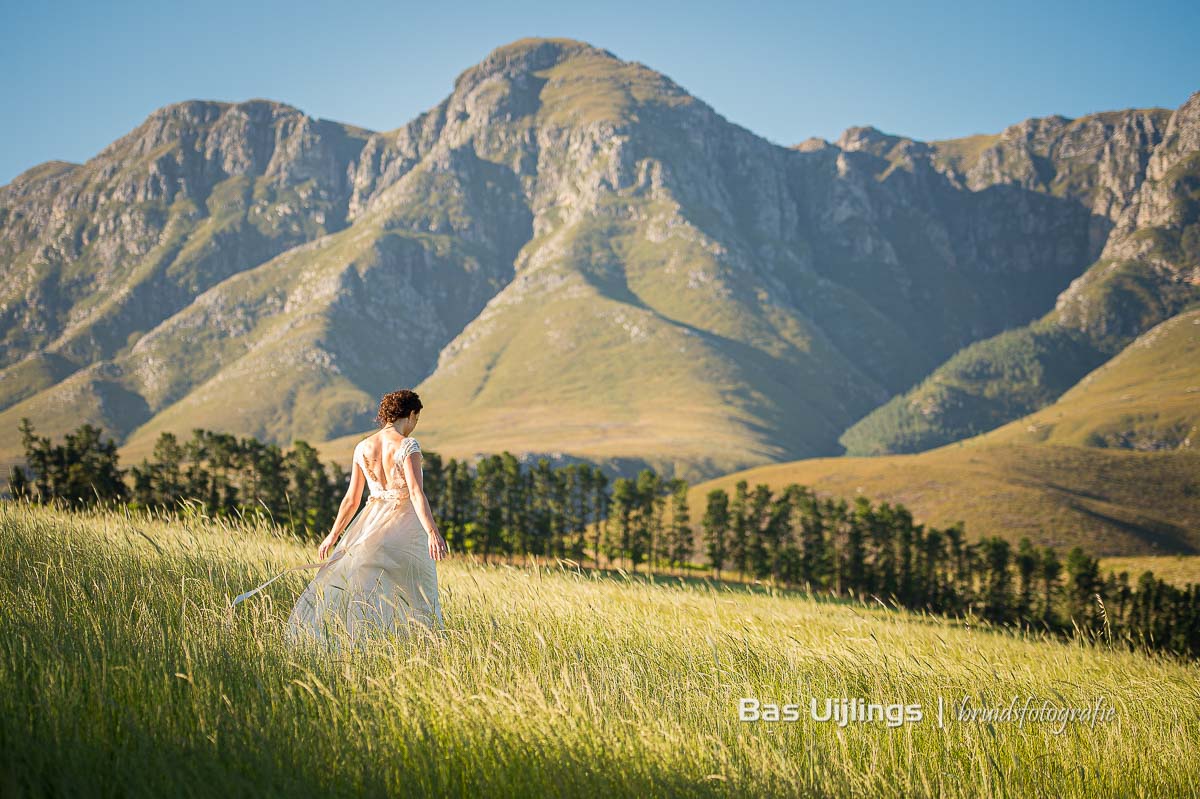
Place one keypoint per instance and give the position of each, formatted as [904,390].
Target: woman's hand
[437,545]
[327,546]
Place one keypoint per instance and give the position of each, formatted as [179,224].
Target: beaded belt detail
[392,494]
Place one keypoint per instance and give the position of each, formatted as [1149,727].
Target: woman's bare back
[379,452]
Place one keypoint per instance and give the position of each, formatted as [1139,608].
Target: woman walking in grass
[381,575]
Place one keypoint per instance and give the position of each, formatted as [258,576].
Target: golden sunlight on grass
[126,672]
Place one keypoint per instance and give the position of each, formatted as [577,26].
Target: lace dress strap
[409,446]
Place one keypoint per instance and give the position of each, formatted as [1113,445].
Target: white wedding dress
[380,578]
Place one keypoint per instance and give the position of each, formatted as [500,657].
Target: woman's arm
[346,510]
[416,489]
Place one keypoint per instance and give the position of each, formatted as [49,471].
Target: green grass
[125,672]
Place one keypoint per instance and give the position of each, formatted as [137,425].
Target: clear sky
[80,74]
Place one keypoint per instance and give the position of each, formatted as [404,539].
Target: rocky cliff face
[1137,172]
[569,254]
[99,254]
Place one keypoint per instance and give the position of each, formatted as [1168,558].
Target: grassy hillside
[127,673]
[152,221]
[601,351]
[1067,474]
[1111,502]
[1147,397]
[1177,569]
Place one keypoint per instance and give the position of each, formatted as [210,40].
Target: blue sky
[80,74]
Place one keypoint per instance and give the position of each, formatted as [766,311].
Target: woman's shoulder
[365,445]
[405,447]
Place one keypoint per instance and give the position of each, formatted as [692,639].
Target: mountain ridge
[563,225]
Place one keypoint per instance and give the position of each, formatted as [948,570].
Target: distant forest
[499,507]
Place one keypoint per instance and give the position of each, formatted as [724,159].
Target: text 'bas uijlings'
[841,711]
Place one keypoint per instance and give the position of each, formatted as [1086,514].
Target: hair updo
[397,405]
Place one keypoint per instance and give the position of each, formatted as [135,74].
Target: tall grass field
[125,672]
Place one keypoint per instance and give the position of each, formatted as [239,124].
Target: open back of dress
[380,577]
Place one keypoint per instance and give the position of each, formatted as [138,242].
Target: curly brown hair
[397,405]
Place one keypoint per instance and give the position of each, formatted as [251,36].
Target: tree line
[222,474]
[869,550]
[499,507]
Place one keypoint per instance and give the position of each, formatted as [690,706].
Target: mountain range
[572,256]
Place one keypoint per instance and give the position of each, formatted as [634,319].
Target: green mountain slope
[1068,474]
[314,328]
[1146,398]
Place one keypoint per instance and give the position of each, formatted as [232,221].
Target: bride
[382,575]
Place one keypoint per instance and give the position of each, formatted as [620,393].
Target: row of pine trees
[499,507]
[222,474]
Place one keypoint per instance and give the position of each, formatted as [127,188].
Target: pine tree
[1083,583]
[902,522]
[680,539]
[543,492]
[488,531]
[313,498]
[1027,565]
[18,482]
[1049,570]
[815,561]
[997,595]
[856,551]
[777,531]
[882,534]
[599,504]
[757,546]
[933,557]
[622,513]
[38,459]
[271,488]
[577,476]
[957,580]
[520,520]
[716,529]
[739,527]
[84,470]
[646,535]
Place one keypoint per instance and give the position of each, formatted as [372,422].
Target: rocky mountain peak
[525,56]
[867,138]
[167,124]
[1181,139]
[1035,129]
[811,144]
